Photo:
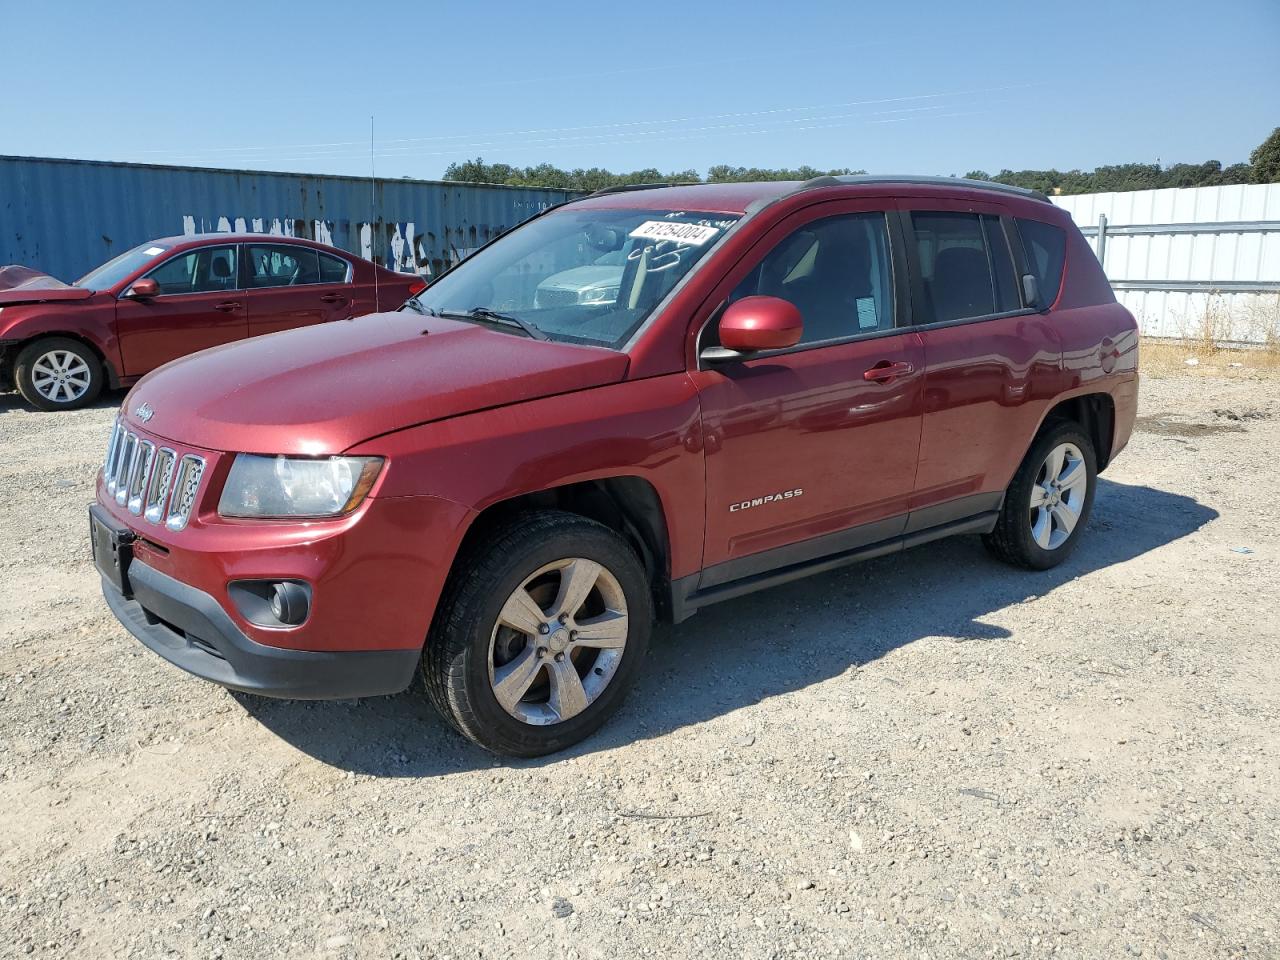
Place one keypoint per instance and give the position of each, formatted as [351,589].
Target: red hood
[323,389]
[20,284]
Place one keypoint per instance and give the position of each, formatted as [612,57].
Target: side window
[1045,247]
[965,266]
[206,270]
[836,271]
[280,265]
[332,269]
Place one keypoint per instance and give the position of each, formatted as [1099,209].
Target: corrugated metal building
[1199,262]
[65,217]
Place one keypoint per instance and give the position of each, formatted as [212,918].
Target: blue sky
[902,86]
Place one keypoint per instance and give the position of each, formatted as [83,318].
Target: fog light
[272,603]
[289,603]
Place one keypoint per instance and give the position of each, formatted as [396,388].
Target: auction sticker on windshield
[691,233]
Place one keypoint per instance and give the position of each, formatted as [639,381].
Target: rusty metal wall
[65,217]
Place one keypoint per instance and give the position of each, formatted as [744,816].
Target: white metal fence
[1202,262]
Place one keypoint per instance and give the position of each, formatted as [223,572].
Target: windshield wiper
[484,313]
[413,304]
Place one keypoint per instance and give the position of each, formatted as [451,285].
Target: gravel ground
[929,755]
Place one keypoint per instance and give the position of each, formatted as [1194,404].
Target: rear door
[812,450]
[991,363]
[198,306]
[291,285]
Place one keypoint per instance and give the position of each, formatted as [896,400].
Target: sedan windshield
[113,271]
[581,275]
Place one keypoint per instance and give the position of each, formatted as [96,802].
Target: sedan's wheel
[58,374]
[540,632]
[1048,502]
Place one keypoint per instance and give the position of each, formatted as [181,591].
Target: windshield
[581,275]
[113,271]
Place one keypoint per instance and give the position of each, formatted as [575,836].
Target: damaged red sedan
[60,343]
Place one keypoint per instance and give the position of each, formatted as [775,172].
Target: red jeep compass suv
[634,405]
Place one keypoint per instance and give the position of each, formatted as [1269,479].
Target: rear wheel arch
[1095,413]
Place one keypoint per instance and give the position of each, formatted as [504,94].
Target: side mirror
[143,289]
[753,324]
[1031,290]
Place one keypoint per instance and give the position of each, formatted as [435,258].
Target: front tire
[541,631]
[57,373]
[1048,502]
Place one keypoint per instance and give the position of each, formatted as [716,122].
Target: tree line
[1263,167]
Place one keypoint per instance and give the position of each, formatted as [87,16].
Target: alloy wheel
[558,642]
[61,376]
[1058,496]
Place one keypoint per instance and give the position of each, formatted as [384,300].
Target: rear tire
[541,631]
[58,373]
[1049,500]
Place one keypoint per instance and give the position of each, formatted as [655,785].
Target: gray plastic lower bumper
[191,630]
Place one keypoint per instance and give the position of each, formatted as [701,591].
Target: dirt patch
[1170,425]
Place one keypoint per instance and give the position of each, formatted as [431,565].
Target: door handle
[227,306]
[333,298]
[887,370]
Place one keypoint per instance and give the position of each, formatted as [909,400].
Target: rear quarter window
[332,269]
[1045,248]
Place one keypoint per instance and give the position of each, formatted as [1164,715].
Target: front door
[198,306]
[290,285]
[812,450]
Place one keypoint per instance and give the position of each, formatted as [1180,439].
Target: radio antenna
[373,221]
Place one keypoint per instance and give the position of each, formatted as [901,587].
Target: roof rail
[874,178]
[628,187]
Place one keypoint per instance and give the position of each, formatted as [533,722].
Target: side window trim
[994,233]
[239,254]
[900,259]
[916,276]
[1020,265]
[963,321]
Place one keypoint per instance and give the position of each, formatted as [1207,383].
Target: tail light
[416,287]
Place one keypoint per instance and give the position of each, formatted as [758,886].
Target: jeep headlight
[284,487]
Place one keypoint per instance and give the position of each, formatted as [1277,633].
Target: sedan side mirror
[143,289]
[753,324]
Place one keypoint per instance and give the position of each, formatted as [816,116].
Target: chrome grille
[190,469]
[109,469]
[158,487]
[143,460]
[124,463]
[556,297]
[152,482]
